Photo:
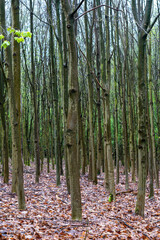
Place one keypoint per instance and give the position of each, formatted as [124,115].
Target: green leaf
[26,34]
[110,199]
[19,39]
[1,36]
[17,33]
[5,44]
[10,30]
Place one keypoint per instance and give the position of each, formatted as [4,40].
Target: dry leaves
[48,213]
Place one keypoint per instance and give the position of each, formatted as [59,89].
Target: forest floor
[48,212]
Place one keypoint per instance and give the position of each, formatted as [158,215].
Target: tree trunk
[72,118]
[34,91]
[109,164]
[2,103]
[14,87]
[151,117]
[142,138]
[56,111]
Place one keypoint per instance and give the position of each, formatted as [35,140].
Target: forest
[80,119]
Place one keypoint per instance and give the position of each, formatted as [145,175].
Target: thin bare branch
[33,13]
[76,9]
[154,21]
[102,5]
[92,71]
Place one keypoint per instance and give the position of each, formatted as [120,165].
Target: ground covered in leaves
[48,212]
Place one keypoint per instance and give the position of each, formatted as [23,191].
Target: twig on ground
[127,225]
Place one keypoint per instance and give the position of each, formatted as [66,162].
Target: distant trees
[82,93]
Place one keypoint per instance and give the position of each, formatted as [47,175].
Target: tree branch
[34,13]
[91,70]
[154,21]
[147,15]
[134,10]
[76,9]
[102,5]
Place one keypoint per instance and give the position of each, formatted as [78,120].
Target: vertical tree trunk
[65,99]
[142,140]
[151,117]
[92,159]
[109,164]
[34,91]
[150,150]
[103,69]
[2,103]
[99,137]
[72,118]
[14,87]
[61,77]
[124,80]
[5,159]
[116,97]
[142,128]
[56,111]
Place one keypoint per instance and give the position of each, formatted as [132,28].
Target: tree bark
[72,118]
[14,88]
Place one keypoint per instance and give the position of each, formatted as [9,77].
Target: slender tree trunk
[142,139]
[34,91]
[142,128]
[65,99]
[109,164]
[92,159]
[5,157]
[14,88]
[150,150]
[151,117]
[99,137]
[56,111]
[72,118]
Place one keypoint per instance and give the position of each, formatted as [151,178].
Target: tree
[142,24]
[2,102]
[34,92]
[72,118]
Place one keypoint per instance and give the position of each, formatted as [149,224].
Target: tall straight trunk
[131,132]
[99,137]
[65,98]
[142,128]
[5,156]
[61,78]
[14,88]
[103,67]
[125,140]
[116,98]
[150,146]
[151,116]
[92,159]
[130,85]
[72,118]
[124,80]
[116,121]
[142,140]
[34,92]
[83,147]
[56,111]
[109,164]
